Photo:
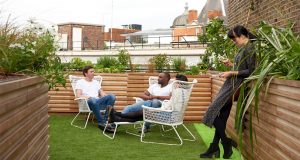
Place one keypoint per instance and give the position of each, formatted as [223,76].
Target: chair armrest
[80,98]
[165,102]
[138,99]
[155,109]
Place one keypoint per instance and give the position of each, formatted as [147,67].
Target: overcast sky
[152,14]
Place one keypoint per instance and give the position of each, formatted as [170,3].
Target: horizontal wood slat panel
[128,85]
[24,119]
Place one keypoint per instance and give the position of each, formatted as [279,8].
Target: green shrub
[161,62]
[77,63]
[219,45]
[106,62]
[124,57]
[179,64]
[30,50]
[194,70]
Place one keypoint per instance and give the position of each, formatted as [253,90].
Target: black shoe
[233,143]
[108,129]
[227,145]
[213,151]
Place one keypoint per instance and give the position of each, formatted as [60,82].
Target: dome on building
[182,20]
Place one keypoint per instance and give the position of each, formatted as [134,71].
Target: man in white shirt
[154,94]
[97,99]
[152,97]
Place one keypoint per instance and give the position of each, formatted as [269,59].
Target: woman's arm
[250,60]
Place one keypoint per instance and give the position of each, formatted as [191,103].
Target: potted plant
[29,54]
[279,58]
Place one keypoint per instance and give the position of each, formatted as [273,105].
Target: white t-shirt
[90,89]
[156,90]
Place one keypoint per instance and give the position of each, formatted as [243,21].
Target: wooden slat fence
[128,85]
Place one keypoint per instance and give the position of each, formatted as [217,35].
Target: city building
[81,36]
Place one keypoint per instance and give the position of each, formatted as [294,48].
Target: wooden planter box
[24,119]
[128,85]
[278,129]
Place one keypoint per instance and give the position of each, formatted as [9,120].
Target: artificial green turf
[71,143]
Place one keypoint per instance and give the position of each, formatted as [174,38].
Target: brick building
[276,12]
[116,34]
[81,36]
[189,25]
[186,27]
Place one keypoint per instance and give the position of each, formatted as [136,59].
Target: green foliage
[30,50]
[161,62]
[202,66]
[179,64]
[112,69]
[194,70]
[77,63]
[279,56]
[124,57]
[202,38]
[219,45]
[106,62]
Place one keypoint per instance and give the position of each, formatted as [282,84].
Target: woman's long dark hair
[238,31]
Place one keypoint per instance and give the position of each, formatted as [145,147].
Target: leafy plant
[279,58]
[194,70]
[219,45]
[77,63]
[106,62]
[30,50]
[179,64]
[124,57]
[161,62]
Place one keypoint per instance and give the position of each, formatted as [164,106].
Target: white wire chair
[152,80]
[173,114]
[83,106]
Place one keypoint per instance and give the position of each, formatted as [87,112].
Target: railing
[137,42]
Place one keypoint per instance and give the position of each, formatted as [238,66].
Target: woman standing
[219,110]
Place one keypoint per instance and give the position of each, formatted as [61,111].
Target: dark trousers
[221,121]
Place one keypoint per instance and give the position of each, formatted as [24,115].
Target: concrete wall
[137,56]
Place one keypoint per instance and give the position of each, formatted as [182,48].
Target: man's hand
[85,97]
[153,97]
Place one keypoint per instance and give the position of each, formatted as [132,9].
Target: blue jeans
[155,103]
[96,104]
